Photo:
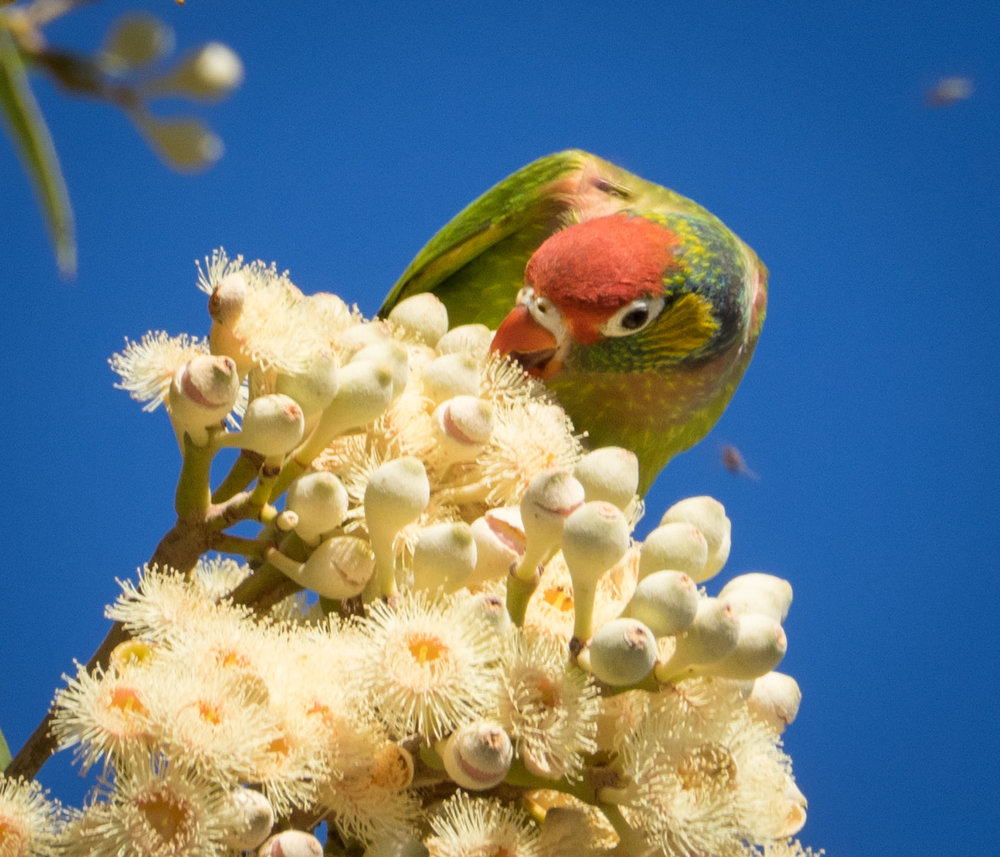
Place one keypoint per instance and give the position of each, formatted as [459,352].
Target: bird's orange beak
[527,342]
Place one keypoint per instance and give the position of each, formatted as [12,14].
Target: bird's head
[635,292]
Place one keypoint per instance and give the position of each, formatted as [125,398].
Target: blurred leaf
[38,155]
[4,753]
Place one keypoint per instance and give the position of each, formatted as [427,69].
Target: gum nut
[187,145]
[500,543]
[666,601]
[709,516]
[610,473]
[775,699]
[713,635]
[546,503]
[594,538]
[225,305]
[389,353]
[320,502]
[315,386]
[209,72]
[760,646]
[678,546]
[339,568]
[444,555]
[291,843]
[622,652]
[757,592]
[135,40]
[252,819]
[450,375]
[392,843]
[202,392]
[423,315]
[273,425]
[396,494]
[478,755]
[465,425]
[471,339]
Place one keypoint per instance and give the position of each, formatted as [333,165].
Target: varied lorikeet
[639,308]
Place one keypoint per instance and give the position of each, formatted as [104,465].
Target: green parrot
[638,308]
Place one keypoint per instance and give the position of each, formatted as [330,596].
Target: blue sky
[867,410]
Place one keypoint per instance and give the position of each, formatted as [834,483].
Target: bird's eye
[633,317]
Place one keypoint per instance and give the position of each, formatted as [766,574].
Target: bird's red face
[599,279]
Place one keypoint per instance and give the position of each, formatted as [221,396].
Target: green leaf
[4,753]
[31,137]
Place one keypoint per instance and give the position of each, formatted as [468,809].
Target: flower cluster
[445,639]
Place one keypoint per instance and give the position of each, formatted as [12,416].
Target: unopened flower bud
[273,426]
[500,543]
[314,387]
[339,568]
[610,473]
[423,315]
[546,503]
[396,494]
[471,339]
[677,546]
[136,40]
[464,426]
[713,635]
[757,592]
[451,375]
[209,72]
[666,601]
[594,538]
[621,652]
[775,699]
[491,608]
[185,145]
[202,392]
[709,516]
[445,555]
[760,646]
[395,843]
[291,843]
[478,755]
[388,353]
[320,501]
[225,304]
[250,818]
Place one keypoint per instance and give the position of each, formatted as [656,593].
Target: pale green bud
[134,41]
[666,601]
[464,426]
[478,755]
[273,426]
[250,819]
[320,501]
[423,315]
[594,537]
[396,494]
[709,516]
[209,73]
[610,473]
[445,555]
[757,592]
[291,843]
[471,339]
[760,646]
[389,353]
[713,635]
[500,543]
[677,546]
[451,375]
[202,393]
[185,145]
[546,503]
[314,386]
[339,568]
[775,699]
[621,652]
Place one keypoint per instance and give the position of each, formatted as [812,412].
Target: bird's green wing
[475,263]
